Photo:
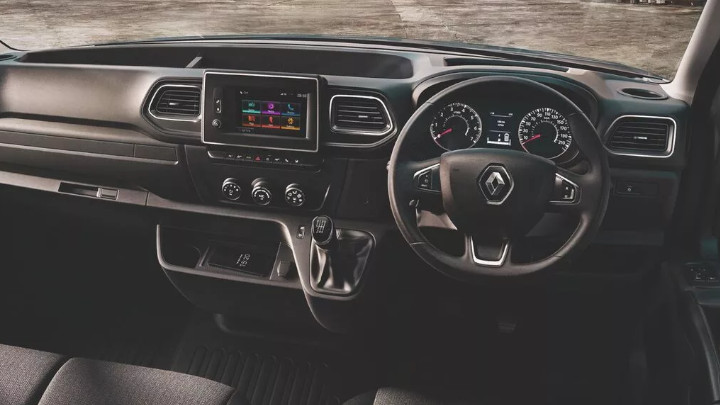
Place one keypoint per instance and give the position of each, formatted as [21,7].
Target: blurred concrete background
[651,37]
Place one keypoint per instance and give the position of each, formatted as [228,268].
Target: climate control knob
[261,194]
[294,196]
[231,189]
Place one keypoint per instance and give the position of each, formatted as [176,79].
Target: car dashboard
[249,140]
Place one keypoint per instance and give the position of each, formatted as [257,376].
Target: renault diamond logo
[496,184]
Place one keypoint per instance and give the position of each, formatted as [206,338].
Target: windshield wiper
[4,47]
[568,61]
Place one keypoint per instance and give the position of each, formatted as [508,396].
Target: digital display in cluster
[500,128]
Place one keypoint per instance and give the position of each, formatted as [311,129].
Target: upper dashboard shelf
[337,62]
[113,86]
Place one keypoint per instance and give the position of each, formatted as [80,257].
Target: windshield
[651,37]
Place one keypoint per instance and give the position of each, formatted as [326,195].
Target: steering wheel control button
[565,190]
[294,196]
[323,231]
[261,194]
[425,180]
[231,189]
[496,184]
[428,179]
[568,191]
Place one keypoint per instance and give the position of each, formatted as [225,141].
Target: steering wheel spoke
[426,176]
[422,183]
[488,253]
[567,194]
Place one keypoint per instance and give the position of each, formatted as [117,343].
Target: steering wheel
[495,196]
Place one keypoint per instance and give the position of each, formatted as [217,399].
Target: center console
[260,165]
[261,133]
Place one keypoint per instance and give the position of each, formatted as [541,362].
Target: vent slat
[189,111]
[172,93]
[359,114]
[634,144]
[380,125]
[177,101]
[357,109]
[638,131]
[635,141]
[645,128]
[353,104]
[638,137]
[361,117]
[349,111]
[181,102]
[641,135]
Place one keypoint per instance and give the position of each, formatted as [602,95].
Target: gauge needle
[532,138]
[445,132]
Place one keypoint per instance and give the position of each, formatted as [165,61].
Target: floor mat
[267,372]
[265,378]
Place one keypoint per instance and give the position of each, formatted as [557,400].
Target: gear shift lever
[338,257]
[323,232]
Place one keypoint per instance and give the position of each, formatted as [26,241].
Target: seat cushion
[397,396]
[25,373]
[85,382]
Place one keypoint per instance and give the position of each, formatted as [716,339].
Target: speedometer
[545,132]
[456,126]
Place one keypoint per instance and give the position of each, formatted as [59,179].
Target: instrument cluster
[542,131]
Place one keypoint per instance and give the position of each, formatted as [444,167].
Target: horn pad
[504,192]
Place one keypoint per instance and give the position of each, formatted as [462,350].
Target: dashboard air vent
[643,136]
[361,115]
[176,101]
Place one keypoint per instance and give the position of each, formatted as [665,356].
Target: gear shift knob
[323,231]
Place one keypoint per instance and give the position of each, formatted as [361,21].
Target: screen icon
[292,123]
[251,107]
[251,120]
[291,109]
[271,108]
[269,121]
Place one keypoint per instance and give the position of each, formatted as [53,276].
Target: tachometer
[545,132]
[456,126]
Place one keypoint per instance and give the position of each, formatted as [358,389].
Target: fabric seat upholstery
[30,377]
[397,396]
[84,381]
[24,374]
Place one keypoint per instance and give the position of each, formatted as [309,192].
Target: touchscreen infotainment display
[271,112]
[261,110]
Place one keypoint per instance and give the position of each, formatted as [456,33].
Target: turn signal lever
[338,258]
